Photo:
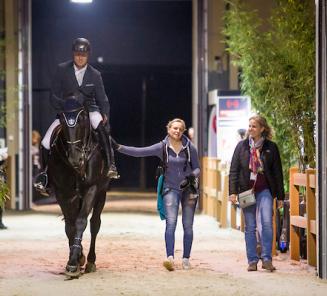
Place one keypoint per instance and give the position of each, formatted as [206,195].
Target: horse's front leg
[73,267]
[95,224]
[70,229]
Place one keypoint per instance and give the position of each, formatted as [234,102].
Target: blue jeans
[259,217]
[172,198]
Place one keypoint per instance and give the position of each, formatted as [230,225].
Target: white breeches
[95,119]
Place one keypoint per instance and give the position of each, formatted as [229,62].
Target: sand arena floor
[130,251]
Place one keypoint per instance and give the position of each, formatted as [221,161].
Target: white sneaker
[169,263]
[186,263]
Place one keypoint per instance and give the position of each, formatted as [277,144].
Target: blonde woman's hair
[169,124]
[36,137]
[267,132]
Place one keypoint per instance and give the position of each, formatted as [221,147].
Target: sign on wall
[233,113]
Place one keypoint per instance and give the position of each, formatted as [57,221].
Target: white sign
[233,113]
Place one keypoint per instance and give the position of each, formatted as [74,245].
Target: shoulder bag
[247,198]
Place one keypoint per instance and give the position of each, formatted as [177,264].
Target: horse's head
[76,133]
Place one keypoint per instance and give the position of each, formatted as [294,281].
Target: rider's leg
[113,169]
[41,180]
[97,124]
[104,141]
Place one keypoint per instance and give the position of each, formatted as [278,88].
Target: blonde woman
[256,164]
[181,172]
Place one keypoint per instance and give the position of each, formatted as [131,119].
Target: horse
[77,180]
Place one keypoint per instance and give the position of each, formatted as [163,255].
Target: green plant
[278,72]
[4,191]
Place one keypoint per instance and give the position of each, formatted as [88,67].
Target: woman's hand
[114,144]
[233,198]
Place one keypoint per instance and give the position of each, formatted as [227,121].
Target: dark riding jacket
[239,174]
[65,84]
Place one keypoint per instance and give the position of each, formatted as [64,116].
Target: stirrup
[113,174]
[41,186]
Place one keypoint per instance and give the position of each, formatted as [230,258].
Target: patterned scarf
[256,165]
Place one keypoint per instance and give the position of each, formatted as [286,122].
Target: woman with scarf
[256,164]
[182,170]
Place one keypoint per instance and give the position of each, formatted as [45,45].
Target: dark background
[138,41]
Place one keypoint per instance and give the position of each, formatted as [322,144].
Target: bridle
[83,149]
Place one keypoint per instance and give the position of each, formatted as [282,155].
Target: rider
[85,82]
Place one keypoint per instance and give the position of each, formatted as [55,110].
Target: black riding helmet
[81,45]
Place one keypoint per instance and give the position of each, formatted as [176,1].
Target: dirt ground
[130,251]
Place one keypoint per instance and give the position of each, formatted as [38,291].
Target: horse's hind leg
[95,224]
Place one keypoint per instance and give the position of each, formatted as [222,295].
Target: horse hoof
[73,271]
[82,260]
[90,267]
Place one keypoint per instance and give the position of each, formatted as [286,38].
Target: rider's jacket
[65,84]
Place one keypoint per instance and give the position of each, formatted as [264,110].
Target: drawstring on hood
[185,146]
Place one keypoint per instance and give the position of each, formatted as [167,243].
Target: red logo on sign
[232,103]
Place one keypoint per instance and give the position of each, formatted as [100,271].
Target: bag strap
[188,159]
[163,162]
[255,181]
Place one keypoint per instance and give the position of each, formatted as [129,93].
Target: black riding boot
[41,180]
[104,141]
[113,169]
[2,226]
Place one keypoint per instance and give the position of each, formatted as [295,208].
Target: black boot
[2,226]
[113,169]
[41,180]
[104,141]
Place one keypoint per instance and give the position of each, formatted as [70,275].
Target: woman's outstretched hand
[114,144]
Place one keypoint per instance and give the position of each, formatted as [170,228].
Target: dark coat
[239,174]
[65,84]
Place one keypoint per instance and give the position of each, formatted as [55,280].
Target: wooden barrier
[307,181]
[215,190]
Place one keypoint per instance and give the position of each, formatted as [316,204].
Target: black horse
[77,179]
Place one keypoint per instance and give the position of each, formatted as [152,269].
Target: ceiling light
[81,1]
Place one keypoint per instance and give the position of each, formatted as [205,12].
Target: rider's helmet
[81,45]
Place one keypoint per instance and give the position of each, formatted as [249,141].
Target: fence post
[311,216]
[294,211]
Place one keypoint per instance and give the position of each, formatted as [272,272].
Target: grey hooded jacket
[175,163]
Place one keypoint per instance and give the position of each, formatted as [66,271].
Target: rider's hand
[105,118]
[233,198]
